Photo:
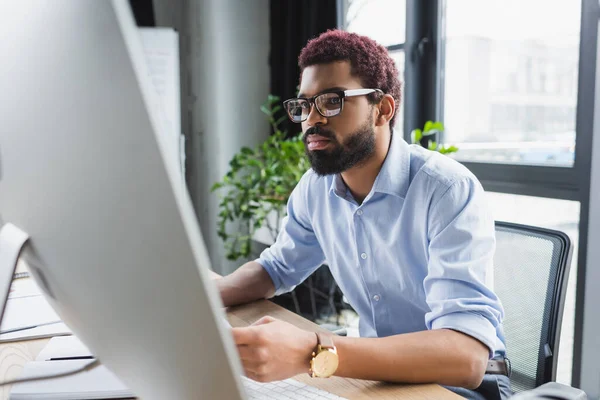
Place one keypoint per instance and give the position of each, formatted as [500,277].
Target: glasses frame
[342,93]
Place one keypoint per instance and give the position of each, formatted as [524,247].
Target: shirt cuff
[277,283]
[470,324]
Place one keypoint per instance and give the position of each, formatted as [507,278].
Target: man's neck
[360,179]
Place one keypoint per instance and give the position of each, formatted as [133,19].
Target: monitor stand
[12,241]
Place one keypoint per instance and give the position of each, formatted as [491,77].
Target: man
[405,232]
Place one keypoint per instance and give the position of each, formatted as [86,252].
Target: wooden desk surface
[353,389]
[13,357]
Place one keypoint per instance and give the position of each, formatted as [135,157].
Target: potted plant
[258,185]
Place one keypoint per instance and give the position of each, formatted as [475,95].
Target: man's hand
[273,350]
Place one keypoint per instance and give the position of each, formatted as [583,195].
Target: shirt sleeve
[296,252]
[461,250]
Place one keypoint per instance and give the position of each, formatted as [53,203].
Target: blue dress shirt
[413,256]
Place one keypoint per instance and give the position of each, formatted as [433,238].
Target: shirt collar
[338,187]
[393,178]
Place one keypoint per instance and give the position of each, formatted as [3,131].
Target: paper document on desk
[33,313]
[24,288]
[41,332]
[61,348]
[98,383]
[27,311]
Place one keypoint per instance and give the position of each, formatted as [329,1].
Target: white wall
[225,62]
[229,60]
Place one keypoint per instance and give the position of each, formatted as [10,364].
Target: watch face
[325,363]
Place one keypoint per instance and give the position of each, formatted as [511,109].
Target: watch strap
[325,341]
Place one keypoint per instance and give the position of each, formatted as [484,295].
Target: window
[381,20]
[385,22]
[510,85]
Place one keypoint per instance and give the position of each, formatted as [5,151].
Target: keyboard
[286,389]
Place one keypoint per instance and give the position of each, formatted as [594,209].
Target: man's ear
[387,108]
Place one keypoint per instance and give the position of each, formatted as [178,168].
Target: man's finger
[257,372]
[255,354]
[247,353]
[247,335]
[267,319]
[251,366]
[252,375]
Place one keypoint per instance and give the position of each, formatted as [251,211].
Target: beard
[356,149]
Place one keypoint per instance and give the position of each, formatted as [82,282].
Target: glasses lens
[329,104]
[297,109]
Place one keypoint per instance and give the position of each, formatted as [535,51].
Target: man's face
[338,143]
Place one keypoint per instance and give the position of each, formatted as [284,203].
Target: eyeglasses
[328,104]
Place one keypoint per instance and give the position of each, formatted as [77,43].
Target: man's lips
[317,142]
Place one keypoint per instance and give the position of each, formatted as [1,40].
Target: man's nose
[314,117]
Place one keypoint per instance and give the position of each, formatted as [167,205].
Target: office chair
[531,270]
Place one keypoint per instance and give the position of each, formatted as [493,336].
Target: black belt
[499,366]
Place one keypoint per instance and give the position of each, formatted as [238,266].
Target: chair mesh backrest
[529,267]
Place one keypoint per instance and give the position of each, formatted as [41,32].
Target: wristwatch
[325,359]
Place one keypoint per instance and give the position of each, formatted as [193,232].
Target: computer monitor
[86,171]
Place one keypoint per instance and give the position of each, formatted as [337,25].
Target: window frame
[586,348]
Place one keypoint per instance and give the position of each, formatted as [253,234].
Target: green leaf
[252,162]
[448,150]
[432,145]
[245,249]
[416,135]
[428,126]
[234,163]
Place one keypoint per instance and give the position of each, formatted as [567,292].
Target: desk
[13,357]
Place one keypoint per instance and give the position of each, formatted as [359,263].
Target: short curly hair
[369,61]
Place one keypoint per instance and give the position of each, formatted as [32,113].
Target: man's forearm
[248,283]
[442,356]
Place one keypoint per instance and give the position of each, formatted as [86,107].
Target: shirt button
[376,297]
[359,212]
[363,256]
